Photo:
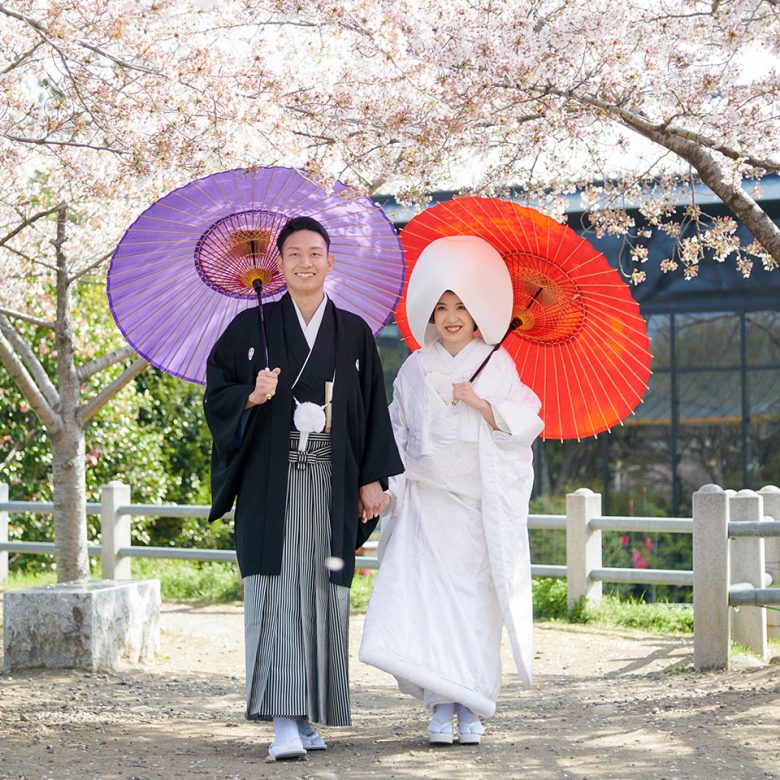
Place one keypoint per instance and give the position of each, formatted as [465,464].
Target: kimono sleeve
[226,394]
[515,406]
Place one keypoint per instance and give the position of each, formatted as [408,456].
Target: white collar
[311,330]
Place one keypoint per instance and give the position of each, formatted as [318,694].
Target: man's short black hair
[301,223]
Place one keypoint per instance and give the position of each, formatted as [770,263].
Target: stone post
[711,636]
[771,496]
[3,534]
[115,530]
[748,564]
[583,546]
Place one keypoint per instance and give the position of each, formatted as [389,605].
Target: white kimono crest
[455,563]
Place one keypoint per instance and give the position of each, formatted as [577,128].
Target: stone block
[93,625]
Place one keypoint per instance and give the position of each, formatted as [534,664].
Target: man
[306,499]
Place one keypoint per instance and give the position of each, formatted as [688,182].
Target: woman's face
[453,322]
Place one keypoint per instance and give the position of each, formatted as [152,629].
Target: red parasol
[580,344]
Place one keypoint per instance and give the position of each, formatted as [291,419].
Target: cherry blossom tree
[644,96]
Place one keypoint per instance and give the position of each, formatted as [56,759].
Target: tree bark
[70,505]
[67,446]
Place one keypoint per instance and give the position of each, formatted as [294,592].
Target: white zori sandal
[470,728]
[310,737]
[440,727]
[287,742]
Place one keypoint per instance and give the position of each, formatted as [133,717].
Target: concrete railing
[736,556]
[732,561]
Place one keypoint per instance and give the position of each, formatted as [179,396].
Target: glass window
[392,352]
[656,405]
[705,340]
[764,441]
[659,330]
[763,338]
[709,397]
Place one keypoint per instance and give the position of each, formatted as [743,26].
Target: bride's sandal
[470,728]
[440,727]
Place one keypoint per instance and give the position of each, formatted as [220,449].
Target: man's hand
[265,387]
[371,501]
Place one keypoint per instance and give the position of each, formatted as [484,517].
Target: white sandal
[440,731]
[310,737]
[282,752]
[470,728]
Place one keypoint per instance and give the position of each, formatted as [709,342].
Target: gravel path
[605,704]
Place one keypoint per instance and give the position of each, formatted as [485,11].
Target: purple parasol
[187,265]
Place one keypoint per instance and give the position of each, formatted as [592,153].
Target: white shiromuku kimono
[454,557]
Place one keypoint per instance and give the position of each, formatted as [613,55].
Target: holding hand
[265,387]
[371,501]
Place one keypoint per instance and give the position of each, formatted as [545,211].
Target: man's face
[304,262]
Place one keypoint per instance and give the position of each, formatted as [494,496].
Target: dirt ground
[604,705]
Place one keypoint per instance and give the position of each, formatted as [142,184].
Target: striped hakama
[296,622]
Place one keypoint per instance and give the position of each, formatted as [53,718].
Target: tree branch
[49,142]
[91,267]
[38,27]
[88,410]
[637,121]
[104,361]
[27,386]
[21,58]
[27,221]
[755,219]
[36,369]
[17,315]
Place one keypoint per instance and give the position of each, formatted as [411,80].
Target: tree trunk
[67,444]
[70,505]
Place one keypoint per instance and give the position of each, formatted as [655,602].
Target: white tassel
[308,418]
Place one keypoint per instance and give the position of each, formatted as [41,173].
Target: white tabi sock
[286,731]
[443,712]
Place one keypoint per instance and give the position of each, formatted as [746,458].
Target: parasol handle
[512,325]
[515,323]
[257,284]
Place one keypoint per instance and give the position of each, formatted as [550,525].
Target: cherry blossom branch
[21,58]
[640,122]
[755,219]
[88,410]
[91,267]
[27,221]
[46,141]
[24,381]
[104,361]
[17,315]
[44,32]
[34,366]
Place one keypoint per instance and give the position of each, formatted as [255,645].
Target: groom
[302,509]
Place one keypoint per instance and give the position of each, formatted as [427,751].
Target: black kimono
[250,452]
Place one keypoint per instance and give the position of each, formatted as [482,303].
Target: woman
[454,556]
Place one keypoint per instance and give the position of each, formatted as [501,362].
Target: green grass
[17,580]
[550,604]
[191,580]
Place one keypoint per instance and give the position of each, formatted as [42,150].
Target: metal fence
[736,554]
